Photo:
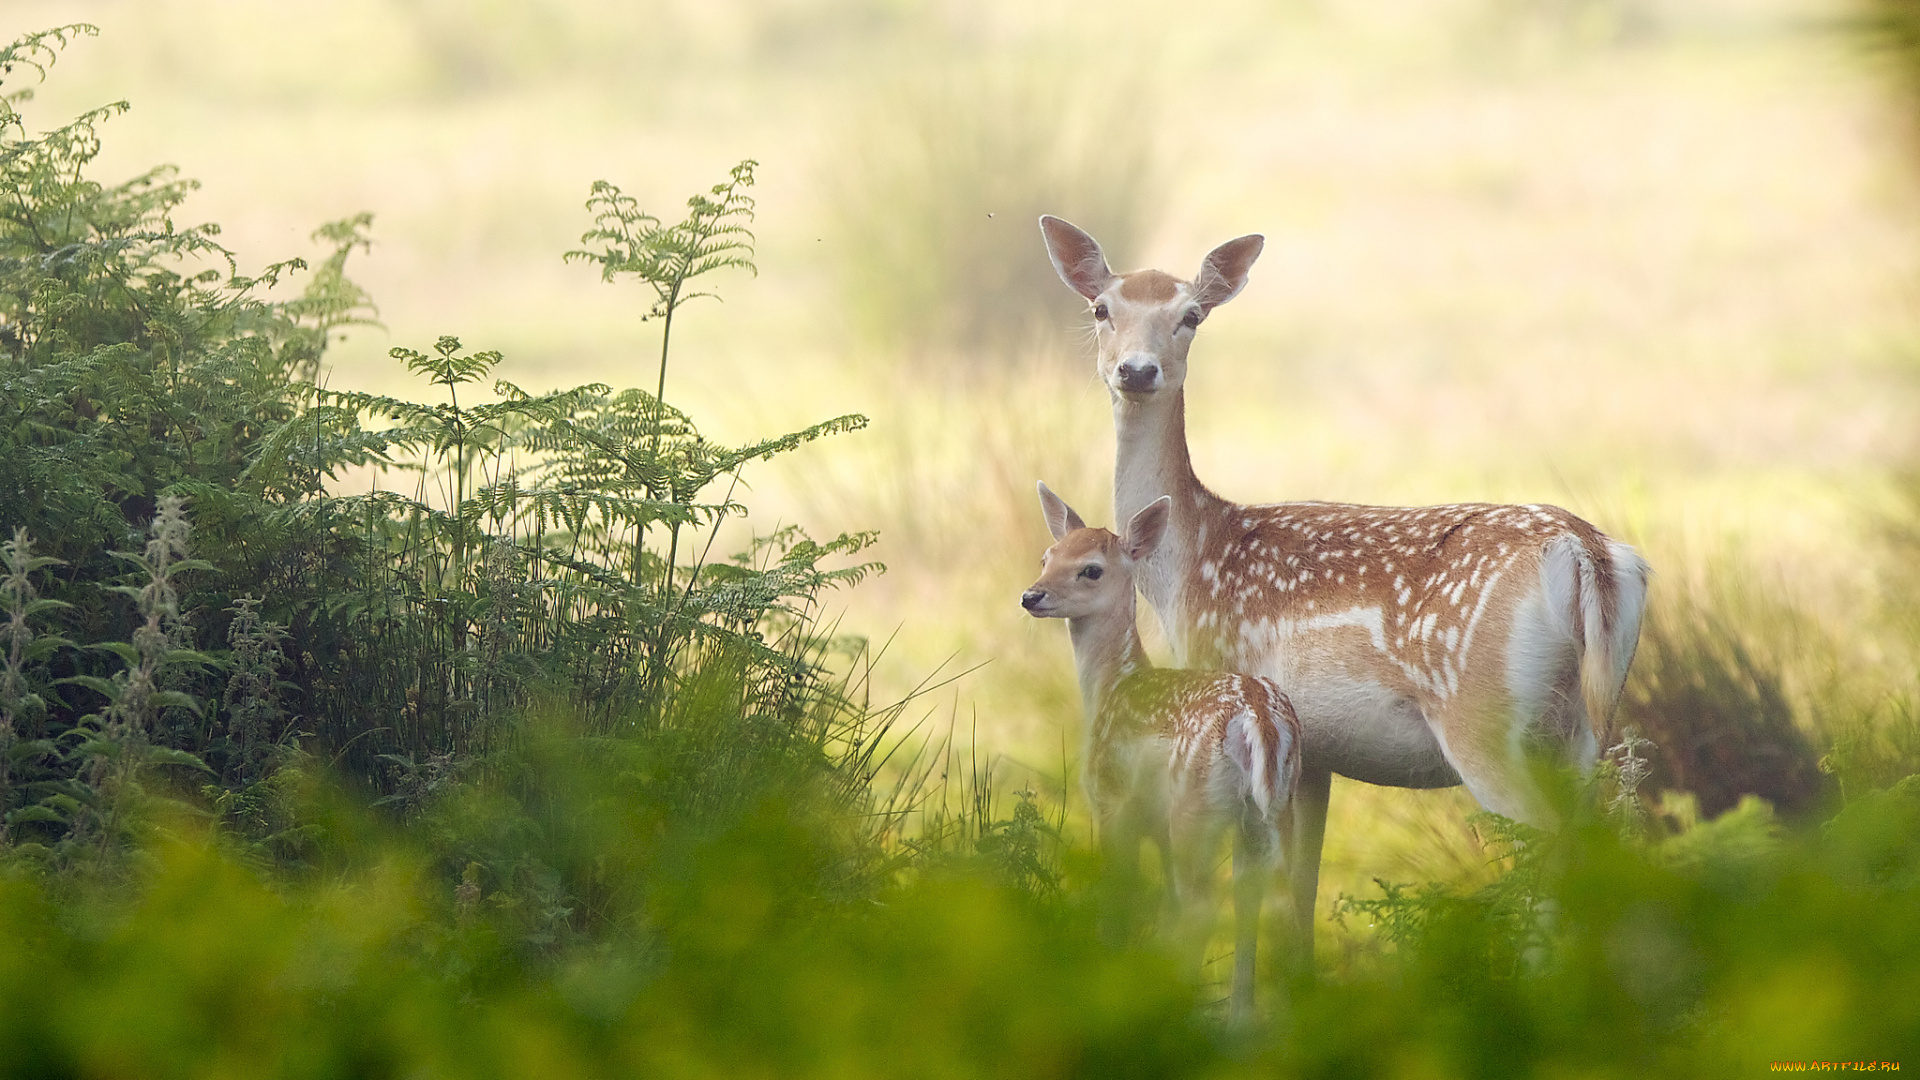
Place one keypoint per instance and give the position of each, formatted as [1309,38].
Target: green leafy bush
[542,549]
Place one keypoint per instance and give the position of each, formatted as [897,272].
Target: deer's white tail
[1607,597]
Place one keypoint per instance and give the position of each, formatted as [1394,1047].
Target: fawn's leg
[1251,868]
[1194,842]
[1121,886]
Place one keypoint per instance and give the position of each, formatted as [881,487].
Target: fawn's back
[1223,744]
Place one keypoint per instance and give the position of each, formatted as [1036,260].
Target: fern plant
[580,500]
[667,258]
[1502,928]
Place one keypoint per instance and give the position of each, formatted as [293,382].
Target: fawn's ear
[1061,519]
[1147,528]
[1076,257]
[1224,272]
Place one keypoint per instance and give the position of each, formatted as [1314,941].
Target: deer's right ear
[1147,528]
[1076,257]
[1061,519]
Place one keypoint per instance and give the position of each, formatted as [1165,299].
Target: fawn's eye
[1192,318]
[1100,312]
[1091,573]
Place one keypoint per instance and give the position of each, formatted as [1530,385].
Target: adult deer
[1422,646]
[1181,757]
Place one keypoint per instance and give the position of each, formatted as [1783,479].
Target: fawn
[1178,757]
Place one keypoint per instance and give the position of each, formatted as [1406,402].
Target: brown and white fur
[1422,646]
[1180,757]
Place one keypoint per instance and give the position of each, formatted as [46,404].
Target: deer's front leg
[1303,859]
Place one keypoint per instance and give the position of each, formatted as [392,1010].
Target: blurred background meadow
[1653,261]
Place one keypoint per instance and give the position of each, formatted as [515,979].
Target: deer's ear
[1076,257]
[1224,272]
[1061,519]
[1147,528]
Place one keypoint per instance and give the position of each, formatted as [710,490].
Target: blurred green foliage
[1714,953]
[1893,26]
[588,908]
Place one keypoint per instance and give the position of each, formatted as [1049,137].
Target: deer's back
[1370,617]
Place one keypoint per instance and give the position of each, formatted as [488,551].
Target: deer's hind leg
[1491,738]
[1497,735]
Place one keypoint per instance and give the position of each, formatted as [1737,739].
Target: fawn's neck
[1106,649]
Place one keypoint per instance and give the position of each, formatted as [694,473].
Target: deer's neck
[1151,461]
[1106,649]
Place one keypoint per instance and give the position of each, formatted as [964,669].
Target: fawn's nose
[1032,597]
[1138,374]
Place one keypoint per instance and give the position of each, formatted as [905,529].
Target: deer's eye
[1191,319]
[1100,312]
[1091,573]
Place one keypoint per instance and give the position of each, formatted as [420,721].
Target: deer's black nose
[1137,374]
[1032,597]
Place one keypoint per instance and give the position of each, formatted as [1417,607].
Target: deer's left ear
[1061,519]
[1147,528]
[1224,272]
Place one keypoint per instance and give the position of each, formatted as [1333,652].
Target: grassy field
[1651,261]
